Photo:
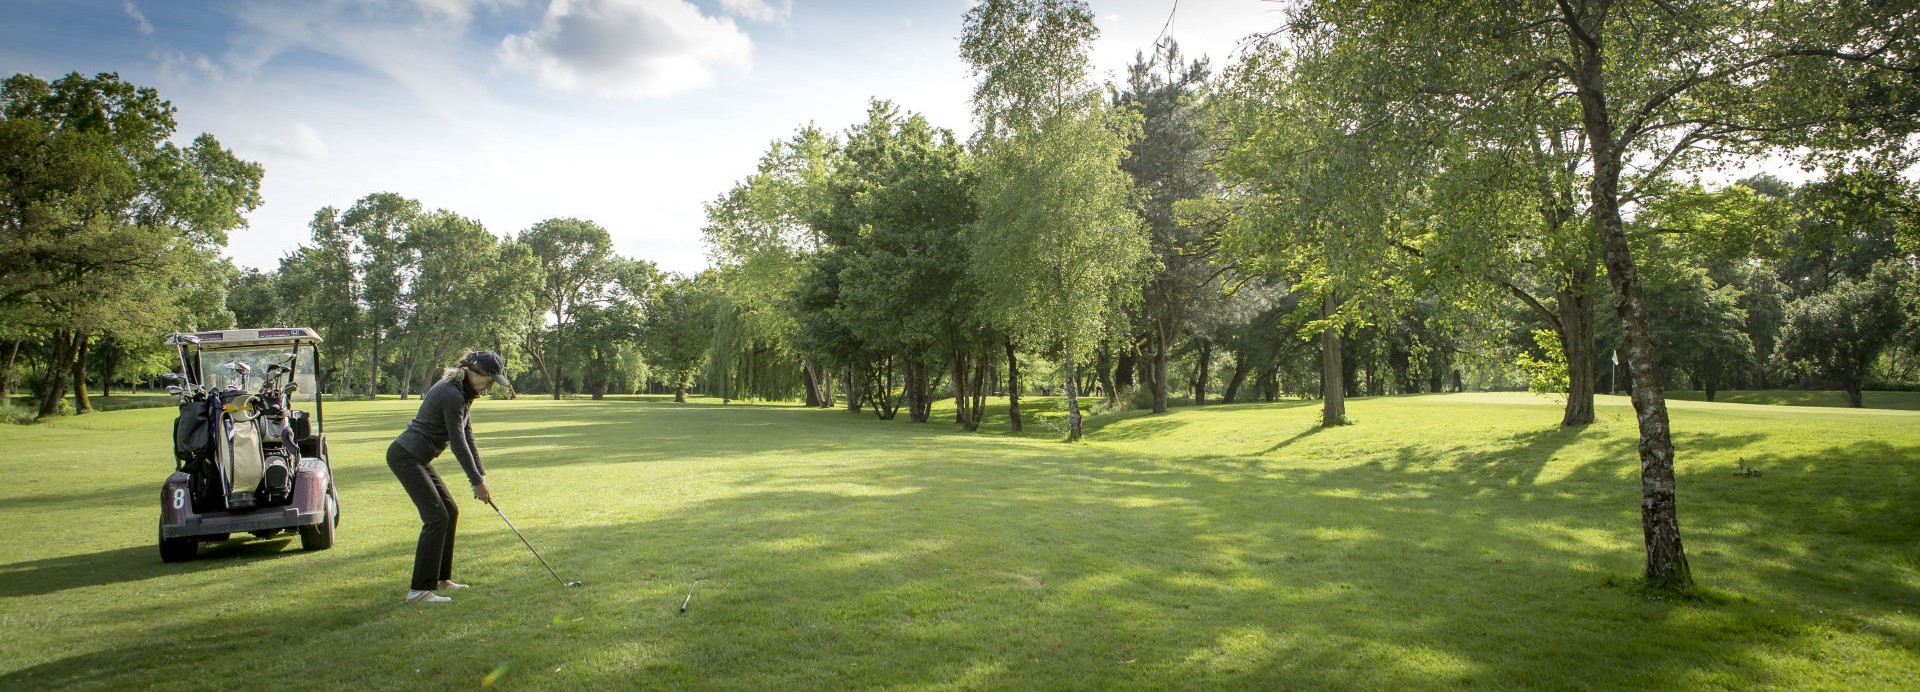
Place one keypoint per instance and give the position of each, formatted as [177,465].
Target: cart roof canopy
[233,338]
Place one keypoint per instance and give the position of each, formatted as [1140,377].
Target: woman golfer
[442,421]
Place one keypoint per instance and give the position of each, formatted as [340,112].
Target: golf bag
[196,451]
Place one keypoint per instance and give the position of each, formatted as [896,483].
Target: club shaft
[523,539]
[683,604]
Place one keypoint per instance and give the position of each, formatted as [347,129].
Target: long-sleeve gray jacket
[443,420]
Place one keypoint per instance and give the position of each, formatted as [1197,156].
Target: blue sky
[629,113]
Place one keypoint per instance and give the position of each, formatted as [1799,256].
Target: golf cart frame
[250,455]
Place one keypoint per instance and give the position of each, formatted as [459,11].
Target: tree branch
[1525,297]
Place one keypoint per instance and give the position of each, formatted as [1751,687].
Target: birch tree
[1060,243]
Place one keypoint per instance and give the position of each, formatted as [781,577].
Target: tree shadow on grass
[282,640]
[80,499]
[1298,437]
[1137,429]
[131,564]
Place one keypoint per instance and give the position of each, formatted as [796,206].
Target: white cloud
[420,45]
[759,10]
[177,66]
[627,48]
[146,28]
[298,140]
[460,11]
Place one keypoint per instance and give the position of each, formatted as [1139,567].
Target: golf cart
[249,455]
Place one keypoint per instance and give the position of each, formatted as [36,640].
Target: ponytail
[460,369]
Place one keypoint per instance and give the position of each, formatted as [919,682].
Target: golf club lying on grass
[536,553]
[683,604]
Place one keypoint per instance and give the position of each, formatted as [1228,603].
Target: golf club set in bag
[246,436]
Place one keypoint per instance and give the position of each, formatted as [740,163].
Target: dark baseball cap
[493,366]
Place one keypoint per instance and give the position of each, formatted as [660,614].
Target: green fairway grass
[1444,541]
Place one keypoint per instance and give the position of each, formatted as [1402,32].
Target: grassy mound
[1444,541]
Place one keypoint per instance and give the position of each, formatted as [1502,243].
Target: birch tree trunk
[1666,565]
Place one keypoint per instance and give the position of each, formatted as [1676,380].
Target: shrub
[16,414]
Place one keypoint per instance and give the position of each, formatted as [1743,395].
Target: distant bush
[17,414]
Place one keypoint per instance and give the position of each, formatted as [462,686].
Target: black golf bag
[196,451]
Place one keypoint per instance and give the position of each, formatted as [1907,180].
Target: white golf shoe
[426,597]
[447,584]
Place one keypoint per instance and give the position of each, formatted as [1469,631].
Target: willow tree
[762,239]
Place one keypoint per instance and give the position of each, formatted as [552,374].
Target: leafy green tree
[576,267]
[678,330]
[1763,300]
[1168,164]
[377,226]
[253,298]
[1848,222]
[320,287]
[1839,334]
[1321,191]
[452,296]
[901,200]
[607,330]
[512,285]
[1731,234]
[1546,372]
[1059,243]
[1698,324]
[100,213]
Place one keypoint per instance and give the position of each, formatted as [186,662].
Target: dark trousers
[433,559]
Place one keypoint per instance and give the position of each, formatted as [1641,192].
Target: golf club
[536,553]
[683,604]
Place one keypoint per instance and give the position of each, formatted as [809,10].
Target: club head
[573,585]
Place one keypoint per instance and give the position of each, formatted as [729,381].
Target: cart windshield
[220,369]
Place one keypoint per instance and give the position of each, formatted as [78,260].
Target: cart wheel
[177,549]
[320,536]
